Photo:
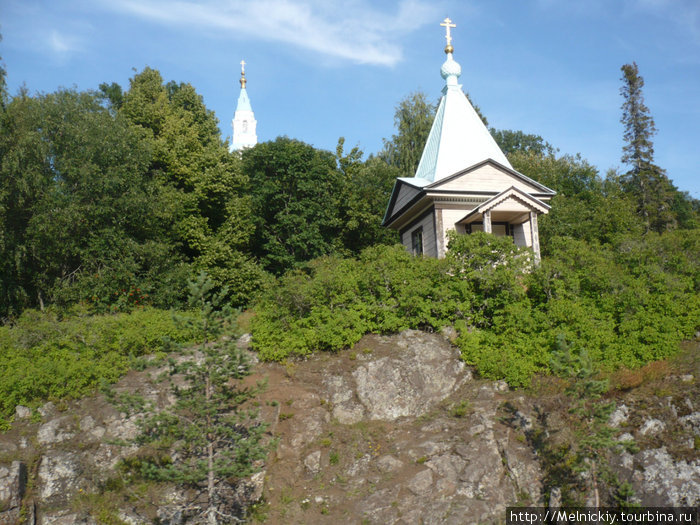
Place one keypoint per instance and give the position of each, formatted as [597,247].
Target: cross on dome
[447,24]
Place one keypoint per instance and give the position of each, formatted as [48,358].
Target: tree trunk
[211,513]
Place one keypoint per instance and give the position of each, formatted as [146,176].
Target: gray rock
[87,423]
[619,416]
[47,410]
[421,483]
[244,341]
[7,447]
[13,483]
[652,427]
[388,463]
[257,482]
[59,477]
[65,518]
[22,412]
[555,498]
[313,462]
[412,382]
[122,429]
[56,430]
[340,393]
[661,481]
[692,422]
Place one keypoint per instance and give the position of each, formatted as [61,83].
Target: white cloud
[352,30]
[62,44]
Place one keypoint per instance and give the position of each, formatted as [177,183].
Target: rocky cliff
[395,430]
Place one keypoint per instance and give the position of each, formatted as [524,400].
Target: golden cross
[242,67]
[447,24]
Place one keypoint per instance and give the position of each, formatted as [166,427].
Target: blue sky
[321,69]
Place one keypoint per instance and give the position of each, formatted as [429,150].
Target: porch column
[534,233]
[487,221]
[439,233]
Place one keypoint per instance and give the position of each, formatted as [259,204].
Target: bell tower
[244,123]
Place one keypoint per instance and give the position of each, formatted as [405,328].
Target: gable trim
[545,190]
[512,192]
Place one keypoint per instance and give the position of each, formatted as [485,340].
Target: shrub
[45,356]
[626,306]
[333,302]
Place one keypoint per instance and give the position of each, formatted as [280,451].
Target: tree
[647,182]
[366,188]
[211,219]
[112,94]
[208,435]
[511,141]
[413,119]
[585,207]
[79,217]
[295,191]
[594,436]
[3,83]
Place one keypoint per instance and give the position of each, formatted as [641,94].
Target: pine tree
[594,435]
[208,435]
[645,181]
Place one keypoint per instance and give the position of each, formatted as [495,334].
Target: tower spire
[458,137]
[244,123]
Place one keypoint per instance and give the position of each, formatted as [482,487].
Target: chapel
[243,123]
[464,182]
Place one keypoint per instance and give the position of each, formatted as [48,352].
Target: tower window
[245,126]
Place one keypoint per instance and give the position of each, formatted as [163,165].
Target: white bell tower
[244,123]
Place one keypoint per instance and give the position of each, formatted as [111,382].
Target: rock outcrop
[394,431]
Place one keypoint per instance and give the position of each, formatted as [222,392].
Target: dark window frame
[417,241]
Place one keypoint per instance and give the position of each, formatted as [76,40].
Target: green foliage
[413,119]
[77,215]
[627,305]
[118,190]
[366,190]
[294,191]
[210,218]
[333,302]
[511,141]
[45,356]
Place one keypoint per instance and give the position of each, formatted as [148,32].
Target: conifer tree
[645,181]
[208,434]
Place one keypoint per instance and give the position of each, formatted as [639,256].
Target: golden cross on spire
[447,24]
[243,80]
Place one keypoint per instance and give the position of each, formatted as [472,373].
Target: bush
[333,302]
[626,305]
[44,356]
